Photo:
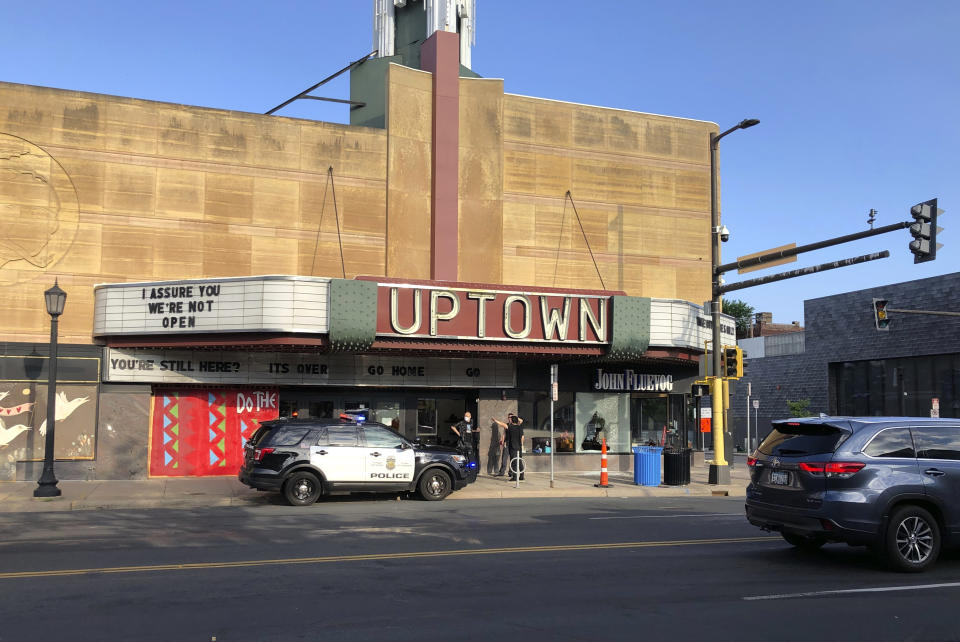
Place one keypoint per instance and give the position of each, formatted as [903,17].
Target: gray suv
[891,483]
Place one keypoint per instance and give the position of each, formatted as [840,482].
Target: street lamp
[719,471]
[47,484]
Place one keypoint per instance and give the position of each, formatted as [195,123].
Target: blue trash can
[646,465]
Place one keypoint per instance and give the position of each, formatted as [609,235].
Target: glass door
[427,420]
[387,412]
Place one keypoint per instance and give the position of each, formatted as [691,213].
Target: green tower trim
[630,335]
[353,315]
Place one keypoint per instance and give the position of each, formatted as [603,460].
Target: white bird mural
[64,409]
[9,434]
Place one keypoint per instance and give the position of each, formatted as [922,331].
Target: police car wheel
[302,489]
[434,485]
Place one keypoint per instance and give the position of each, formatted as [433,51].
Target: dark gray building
[845,366]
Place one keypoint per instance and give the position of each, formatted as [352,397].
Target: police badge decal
[391,463]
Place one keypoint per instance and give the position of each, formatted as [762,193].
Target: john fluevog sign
[630,381]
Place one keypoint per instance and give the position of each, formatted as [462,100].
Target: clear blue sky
[858,101]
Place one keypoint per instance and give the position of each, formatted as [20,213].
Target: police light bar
[351,417]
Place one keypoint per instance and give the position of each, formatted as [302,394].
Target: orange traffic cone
[603,465]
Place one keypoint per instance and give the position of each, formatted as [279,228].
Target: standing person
[468,437]
[514,443]
[503,453]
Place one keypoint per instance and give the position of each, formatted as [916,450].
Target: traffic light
[733,363]
[880,318]
[924,244]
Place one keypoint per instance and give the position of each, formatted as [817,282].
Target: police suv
[305,458]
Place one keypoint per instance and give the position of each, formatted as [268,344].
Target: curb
[613,491]
[106,496]
[624,492]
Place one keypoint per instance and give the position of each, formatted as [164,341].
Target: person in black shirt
[469,437]
[514,443]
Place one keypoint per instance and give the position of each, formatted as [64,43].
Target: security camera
[724,233]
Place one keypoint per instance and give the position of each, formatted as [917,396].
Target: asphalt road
[358,569]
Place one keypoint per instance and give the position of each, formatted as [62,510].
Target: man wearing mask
[469,436]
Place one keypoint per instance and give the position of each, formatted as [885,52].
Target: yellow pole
[716,396]
[727,422]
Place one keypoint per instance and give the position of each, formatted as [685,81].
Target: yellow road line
[379,556]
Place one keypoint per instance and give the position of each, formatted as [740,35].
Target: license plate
[780,477]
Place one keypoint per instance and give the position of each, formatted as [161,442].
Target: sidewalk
[205,492]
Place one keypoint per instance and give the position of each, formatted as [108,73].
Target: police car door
[339,456]
[389,457]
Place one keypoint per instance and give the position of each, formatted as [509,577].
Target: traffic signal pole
[810,247]
[719,470]
[924,249]
[938,313]
[813,269]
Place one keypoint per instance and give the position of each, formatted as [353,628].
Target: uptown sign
[435,312]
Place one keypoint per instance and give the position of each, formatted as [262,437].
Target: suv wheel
[803,543]
[434,485]
[912,540]
[302,489]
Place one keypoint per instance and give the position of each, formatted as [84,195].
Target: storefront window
[287,408]
[321,409]
[361,408]
[449,413]
[599,417]
[648,421]
[388,413]
[534,409]
[904,386]
[677,435]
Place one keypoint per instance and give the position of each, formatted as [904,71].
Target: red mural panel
[196,432]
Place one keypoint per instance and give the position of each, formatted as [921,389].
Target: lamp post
[47,484]
[719,471]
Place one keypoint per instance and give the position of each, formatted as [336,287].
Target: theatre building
[437,255]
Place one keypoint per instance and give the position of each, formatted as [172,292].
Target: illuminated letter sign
[472,314]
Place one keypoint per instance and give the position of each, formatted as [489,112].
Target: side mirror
[404,445]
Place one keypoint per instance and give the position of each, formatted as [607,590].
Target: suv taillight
[258,453]
[751,461]
[843,469]
[812,467]
[839,469]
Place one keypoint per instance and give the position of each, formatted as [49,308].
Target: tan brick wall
[640,182]
[98,189]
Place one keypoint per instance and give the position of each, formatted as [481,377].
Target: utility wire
[336,216]
[585,239]
[316,248]
[563,220]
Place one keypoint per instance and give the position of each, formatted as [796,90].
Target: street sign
[756,403]
[554,387]
[789,259]
[935,407]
